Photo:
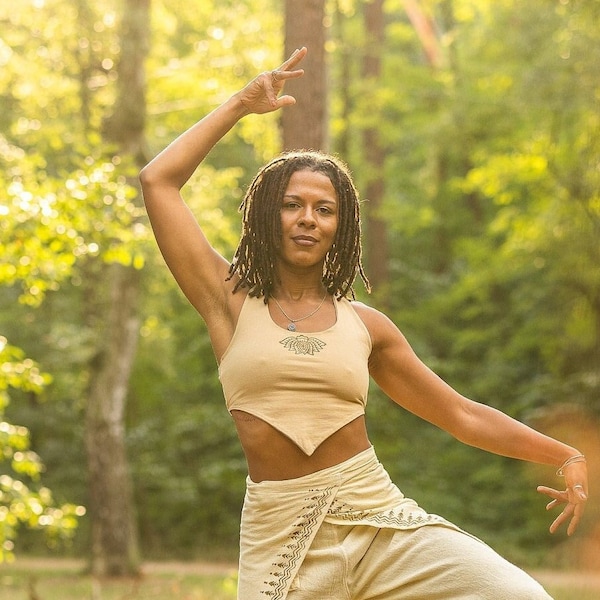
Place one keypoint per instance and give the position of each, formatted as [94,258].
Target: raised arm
[198,268]
[411,384]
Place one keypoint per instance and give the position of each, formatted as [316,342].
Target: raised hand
[262,94]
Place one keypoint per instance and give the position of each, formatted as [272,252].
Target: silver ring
[577,485]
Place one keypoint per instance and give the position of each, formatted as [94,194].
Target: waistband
[334,474]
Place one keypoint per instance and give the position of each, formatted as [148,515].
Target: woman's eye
[325,210]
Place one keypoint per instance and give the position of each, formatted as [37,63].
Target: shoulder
[382,329]
[369,315]
[392,358]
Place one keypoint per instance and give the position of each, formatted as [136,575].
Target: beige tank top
[306,385]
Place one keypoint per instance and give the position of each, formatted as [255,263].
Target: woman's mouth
[305,240]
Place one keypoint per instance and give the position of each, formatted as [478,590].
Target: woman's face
[309,219]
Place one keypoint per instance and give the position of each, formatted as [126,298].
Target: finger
[552,504]
[556,494]
[579,491]
[564,515]
[274,85]
[574,523]
[278,78]
[577,514]
[285,101]
[295,57]
[556,523]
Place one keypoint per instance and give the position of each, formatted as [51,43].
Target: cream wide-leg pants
[362,562]
[348,533]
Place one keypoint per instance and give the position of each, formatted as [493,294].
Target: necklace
[292,322]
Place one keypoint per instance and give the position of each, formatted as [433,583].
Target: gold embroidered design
[401,519]
[302,344]
[286,565]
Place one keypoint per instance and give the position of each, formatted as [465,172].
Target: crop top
[305,385]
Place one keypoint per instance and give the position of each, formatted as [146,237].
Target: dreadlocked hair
[254,261]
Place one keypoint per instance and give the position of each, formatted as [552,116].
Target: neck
[298,288]
[300,292]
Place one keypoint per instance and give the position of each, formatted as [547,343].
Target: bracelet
[573,459]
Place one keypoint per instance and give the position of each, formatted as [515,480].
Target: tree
[114,530]
[377,251]
[305,124]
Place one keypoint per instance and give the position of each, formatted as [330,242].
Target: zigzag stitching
[301,532]
[392,518]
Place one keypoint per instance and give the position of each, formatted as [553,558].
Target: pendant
[291,327]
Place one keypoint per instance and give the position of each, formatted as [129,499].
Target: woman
[321,518]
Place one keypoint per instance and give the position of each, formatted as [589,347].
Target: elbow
[463,425]
[146,176]
[150,181]
[153,177]
[146,180]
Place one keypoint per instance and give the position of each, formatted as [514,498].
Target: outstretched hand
[261,95]
[574,497]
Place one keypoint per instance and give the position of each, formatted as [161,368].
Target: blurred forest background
[473,131]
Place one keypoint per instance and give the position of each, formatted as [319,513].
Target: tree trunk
[114,531]
[346,51]
[376,251]
[425,28]
[305,124]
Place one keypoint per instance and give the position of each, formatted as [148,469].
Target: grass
[569,585]
[50,580]
[57,587]
[560,593]
[64,580]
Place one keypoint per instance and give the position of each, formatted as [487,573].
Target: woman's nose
[307,218]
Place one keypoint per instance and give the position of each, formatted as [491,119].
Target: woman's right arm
[198,268]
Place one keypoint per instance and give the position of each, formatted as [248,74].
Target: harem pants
[362,562]
[348,533]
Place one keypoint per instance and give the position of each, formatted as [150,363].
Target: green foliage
[48,227]
[199,57]
[19,504]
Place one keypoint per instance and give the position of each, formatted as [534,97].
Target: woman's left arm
[397,370]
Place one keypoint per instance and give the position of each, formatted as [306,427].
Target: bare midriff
[273,456]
